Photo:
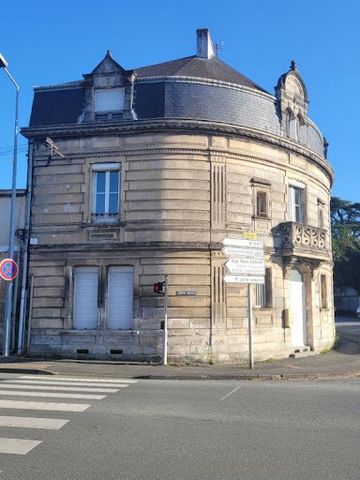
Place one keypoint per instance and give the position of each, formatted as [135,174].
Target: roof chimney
[204,45]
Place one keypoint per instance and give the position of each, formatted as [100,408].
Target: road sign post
[250,327]
[245,264]
[165,358]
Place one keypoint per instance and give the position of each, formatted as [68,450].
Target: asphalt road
[349,328]
[196,430]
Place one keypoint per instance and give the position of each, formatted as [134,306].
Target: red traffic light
[159,288]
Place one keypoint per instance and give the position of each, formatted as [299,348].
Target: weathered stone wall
[181,195]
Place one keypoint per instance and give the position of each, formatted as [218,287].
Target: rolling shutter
[120,298]
[86,298]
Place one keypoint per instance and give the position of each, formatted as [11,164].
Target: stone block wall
[181,195]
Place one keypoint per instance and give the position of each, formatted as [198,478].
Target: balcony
[304,241]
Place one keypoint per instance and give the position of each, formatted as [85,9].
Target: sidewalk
[341,363]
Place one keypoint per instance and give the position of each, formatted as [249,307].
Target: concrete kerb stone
[198,376]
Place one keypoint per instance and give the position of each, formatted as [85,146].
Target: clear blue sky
[54,41]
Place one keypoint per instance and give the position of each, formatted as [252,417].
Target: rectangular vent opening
[82,351]
[115,351]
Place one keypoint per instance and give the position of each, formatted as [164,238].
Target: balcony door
[297,306]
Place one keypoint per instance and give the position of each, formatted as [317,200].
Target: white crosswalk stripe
[77,379]
[42,387]
[32,422]
[51,406]
[82,396]
[23,386]
[17,446]
[44,382]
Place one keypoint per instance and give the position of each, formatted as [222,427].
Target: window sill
[74,331]
[261,217]
[105,218]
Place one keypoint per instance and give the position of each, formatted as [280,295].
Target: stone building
[5,202]
[144,172]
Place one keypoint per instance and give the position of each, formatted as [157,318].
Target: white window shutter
[120,298]
[85,298]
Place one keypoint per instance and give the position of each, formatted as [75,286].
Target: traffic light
[159,288]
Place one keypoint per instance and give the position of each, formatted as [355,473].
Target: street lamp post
[9,285]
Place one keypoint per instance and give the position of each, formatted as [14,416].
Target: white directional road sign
[245,262]
[242,252]
[241,242]
[243,279]
[249,266]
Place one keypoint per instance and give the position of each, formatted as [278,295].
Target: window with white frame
[106,190]
[109,100]
[297,202]
[263,291]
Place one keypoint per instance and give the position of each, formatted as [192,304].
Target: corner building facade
[145,173]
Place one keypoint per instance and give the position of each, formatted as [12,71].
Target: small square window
[109,100]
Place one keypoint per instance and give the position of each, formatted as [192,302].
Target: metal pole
[28,337]
[166,322]
[22,309]
[250,317]
[9,285]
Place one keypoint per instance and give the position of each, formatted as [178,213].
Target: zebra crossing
[38,388]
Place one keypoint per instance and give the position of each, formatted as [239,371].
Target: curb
[253,378]
[208,376]
[30,371]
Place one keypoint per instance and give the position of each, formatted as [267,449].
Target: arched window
[290,127]
[301,129]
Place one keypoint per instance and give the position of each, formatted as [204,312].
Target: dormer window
[109,100]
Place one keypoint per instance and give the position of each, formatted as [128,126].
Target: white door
[120,298]
[297,306]
[86,298]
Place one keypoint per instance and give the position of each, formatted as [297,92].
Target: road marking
[230,393]
[74,384]
[52,406]
[17,446]
[8,384]
[32,422]
[81,396]
[76,379]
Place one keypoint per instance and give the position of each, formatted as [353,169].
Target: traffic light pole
[165,321]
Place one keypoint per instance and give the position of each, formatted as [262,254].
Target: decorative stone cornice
[184,126]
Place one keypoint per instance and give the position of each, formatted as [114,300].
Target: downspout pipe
[22,310]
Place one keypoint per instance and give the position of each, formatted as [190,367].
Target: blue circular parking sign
[8,269]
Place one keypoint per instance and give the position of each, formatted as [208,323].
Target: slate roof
[211,69]
[57,107]
[63,104]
